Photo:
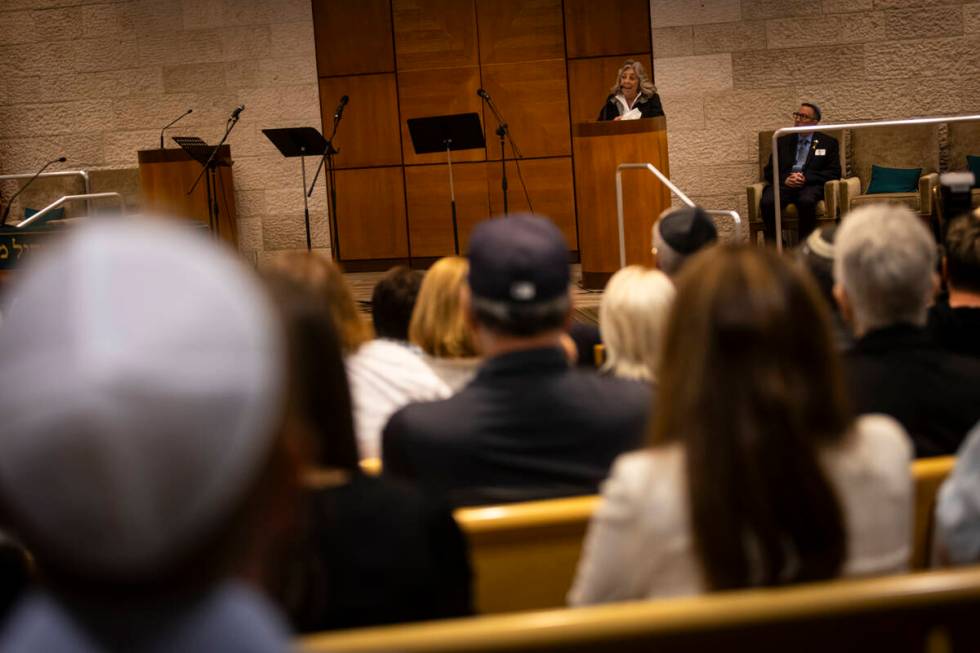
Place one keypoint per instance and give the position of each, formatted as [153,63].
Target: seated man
[679,234]
[806,161]
[145,456]
[528,426]
[884,274]
[954,319]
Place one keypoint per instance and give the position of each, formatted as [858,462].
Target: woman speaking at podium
[632,96]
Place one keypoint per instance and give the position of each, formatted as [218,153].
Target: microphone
[6,211]
[237,112]
[482,93]
[169,124]
[338,114]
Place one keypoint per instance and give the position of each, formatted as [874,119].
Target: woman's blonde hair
[632,318]
[326,281]
[438,325]
[646,87]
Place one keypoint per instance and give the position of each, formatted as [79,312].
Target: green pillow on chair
[894,180]
[973,163]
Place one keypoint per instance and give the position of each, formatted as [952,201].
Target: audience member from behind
[756,475]
[958,507]
[528,426]
[439,327]
[954,319]
[386,373]
[885,278]
[145,450]
[816,254]
[633,314]
[328,282]
[679,234]
[368,550]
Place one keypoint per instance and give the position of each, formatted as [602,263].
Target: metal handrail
[736,218]
[60,173]
[70,198]
[835,127]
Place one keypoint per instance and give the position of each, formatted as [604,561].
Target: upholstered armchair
[827,210]
[908,146]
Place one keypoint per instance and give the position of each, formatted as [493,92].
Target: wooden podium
[166,176]
[599,147]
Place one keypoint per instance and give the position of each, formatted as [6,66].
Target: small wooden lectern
[599,147]
[166,176]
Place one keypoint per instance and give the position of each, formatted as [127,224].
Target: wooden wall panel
[353,36]
[533,98]
[550,185]
[520,30]
[429,211]
[368,134]
[371,214]
[594,28]
[589,81]
[437,93]
[435,33]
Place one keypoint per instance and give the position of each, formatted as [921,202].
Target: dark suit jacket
[935,394]
[649,108]
[526,427]
[818,168]
[955,329]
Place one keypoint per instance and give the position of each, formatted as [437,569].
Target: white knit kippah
[141,388]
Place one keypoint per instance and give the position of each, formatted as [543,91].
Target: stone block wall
[727,69]
[94,80]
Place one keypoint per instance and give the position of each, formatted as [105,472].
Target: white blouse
[639,543]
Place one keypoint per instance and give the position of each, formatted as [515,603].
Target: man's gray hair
[885,261]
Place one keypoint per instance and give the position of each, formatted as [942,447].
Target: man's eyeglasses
[802,116]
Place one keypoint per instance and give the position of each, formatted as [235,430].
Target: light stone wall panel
[670,13]
[971,18]
[844,28]
[673,41]
[847,6]
[689,75]
[96,79]
[730,37]
[924,23]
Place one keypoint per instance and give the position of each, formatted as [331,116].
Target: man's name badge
[820,152]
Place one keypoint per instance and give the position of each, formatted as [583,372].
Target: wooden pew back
[929,611]
[525,555]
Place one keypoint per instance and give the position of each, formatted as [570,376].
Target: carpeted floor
[586,301]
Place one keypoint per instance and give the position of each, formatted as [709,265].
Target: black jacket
[935,394]
[649,108]
[526,427]
[818,167]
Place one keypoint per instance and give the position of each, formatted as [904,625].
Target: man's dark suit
[527,427]
[934,393]
[822,164]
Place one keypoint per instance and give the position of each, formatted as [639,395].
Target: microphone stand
[209,166]
[331,176]
[503,131]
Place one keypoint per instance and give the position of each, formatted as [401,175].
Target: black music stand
[205,155]
[459,131]
[299,141]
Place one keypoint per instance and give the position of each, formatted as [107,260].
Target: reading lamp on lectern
[30,181]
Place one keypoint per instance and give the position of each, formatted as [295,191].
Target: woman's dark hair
[750,386]
[319,392]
